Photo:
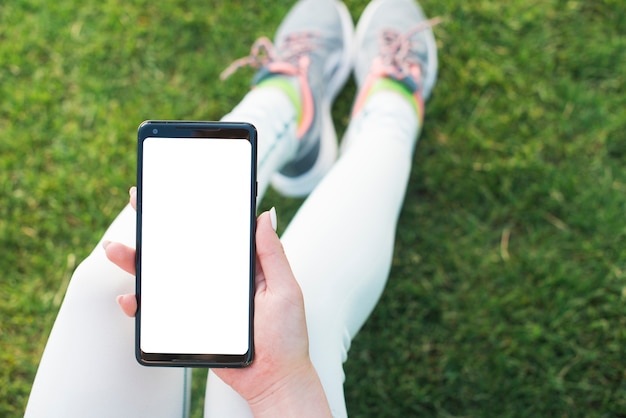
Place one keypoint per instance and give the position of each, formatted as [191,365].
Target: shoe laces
[293,55]
[396,57]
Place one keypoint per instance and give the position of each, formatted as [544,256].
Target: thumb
[271,256]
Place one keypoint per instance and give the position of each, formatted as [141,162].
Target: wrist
[299,394]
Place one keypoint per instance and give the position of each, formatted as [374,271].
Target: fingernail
[273,218]
[122,298]
[132,191]
[105,244]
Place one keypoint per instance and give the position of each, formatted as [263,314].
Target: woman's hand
[281,381]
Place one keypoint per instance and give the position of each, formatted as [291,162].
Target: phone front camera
[155,131]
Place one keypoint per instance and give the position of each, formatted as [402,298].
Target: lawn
[506,296]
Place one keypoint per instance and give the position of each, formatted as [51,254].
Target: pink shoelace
[396,59]
[263,54]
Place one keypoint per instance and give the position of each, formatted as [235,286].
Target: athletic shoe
[394,40]
[314,45]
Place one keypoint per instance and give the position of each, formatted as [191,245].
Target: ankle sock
[388,84]
[289,85]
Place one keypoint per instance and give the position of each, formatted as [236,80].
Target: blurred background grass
[506,297]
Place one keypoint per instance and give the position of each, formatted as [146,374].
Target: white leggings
[339,245]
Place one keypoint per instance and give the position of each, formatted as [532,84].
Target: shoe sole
[304,184]
[431,46]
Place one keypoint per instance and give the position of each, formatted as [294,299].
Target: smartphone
[196,217]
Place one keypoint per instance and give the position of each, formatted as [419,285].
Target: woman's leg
[341,241]
[340,244]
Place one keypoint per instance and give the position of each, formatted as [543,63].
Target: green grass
[507,293]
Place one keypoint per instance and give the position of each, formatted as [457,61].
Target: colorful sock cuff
[289,87]
[388,84]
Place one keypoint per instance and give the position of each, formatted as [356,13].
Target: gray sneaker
[314,45]
[395,40]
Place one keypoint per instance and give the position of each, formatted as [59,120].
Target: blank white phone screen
[195,245]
